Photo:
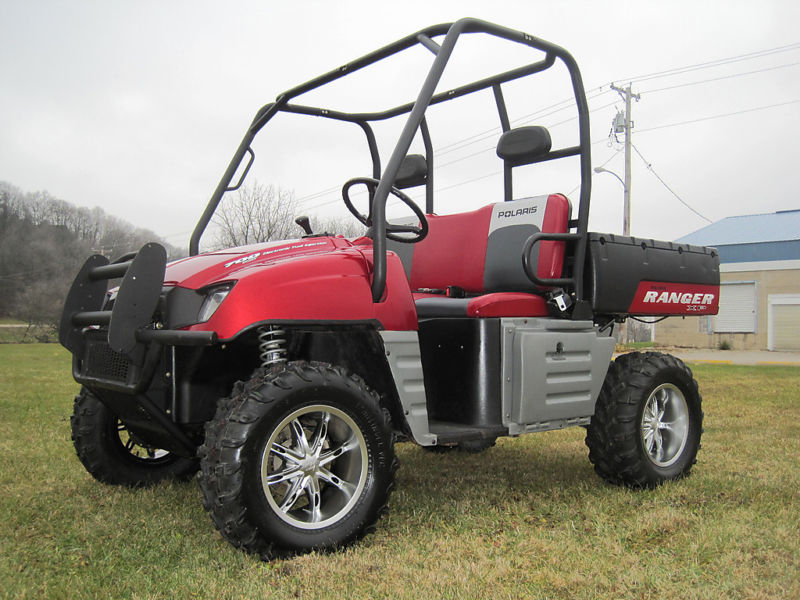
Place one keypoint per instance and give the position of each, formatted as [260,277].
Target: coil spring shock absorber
[271,346]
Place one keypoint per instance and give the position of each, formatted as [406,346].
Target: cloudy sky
[137,107]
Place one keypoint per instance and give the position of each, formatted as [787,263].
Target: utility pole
[627,126]
[627,95]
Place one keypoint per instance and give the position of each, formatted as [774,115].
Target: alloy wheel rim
[665,425]
[314,467]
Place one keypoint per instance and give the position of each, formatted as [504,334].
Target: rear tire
[299,458]
[647,423]
[111,454]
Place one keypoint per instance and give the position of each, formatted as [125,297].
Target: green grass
[17,332]
[527,519]
[10,321]
[633,346]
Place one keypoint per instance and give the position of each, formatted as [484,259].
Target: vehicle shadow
[542,476]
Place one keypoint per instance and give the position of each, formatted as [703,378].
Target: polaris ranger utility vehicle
[286,371]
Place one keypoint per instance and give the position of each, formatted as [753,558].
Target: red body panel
[315,279]
[507,304]
[656,298]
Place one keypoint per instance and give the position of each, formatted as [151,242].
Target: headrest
[524,145]
[413,172]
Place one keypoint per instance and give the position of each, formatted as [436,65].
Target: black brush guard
[116,352]
[119,349]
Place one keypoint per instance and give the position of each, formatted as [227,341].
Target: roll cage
[442,51]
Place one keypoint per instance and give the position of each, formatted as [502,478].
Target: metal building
[760,291]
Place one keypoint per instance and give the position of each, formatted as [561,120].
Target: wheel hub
[314,467]
[665,425]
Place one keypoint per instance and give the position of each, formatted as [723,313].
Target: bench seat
[480,253]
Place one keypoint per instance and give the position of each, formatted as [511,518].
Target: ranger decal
[661,298]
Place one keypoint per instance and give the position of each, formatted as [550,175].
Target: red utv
[286,371]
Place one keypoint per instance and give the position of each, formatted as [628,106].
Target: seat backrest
[481,251]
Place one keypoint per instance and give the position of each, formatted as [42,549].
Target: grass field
[527,519]
[15,332]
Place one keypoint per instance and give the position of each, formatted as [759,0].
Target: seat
[504,304]
[480,253]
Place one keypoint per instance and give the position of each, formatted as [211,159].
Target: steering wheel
[392,229]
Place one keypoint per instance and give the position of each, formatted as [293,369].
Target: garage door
[737,308]
[784,315]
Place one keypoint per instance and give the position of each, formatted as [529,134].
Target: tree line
[43,243]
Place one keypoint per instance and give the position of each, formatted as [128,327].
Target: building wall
[770,278]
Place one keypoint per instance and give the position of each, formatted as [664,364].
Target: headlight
[212,302]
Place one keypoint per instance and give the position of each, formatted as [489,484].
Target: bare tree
[262,213]
[346,226]
[256,214]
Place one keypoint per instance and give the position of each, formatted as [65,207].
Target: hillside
[43,242]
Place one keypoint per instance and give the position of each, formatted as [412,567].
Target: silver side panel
[403,356]
[553,370]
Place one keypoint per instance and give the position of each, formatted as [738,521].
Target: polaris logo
[508,214]
[678,298]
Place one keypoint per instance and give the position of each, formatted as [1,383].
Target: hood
[199,271]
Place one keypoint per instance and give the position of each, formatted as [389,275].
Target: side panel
[404,358]
[552,372]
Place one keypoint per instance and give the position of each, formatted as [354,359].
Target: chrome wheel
[300,458]
[314,467]
[665,425]
[136,449]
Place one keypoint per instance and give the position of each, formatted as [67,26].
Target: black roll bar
[416,122]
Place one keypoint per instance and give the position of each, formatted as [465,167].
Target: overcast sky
[137,107]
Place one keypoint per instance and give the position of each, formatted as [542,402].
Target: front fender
[331,287]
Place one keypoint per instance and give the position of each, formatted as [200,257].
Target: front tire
[299,458]
[113,455]
[647,423]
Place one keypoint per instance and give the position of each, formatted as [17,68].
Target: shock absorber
[271,346]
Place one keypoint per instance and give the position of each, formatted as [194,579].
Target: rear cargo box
[635,276]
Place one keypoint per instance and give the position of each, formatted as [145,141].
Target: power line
[666,73]
[530,117]
[553,126]
[689,122]
[599,141]
[556,107]
[720,116]
[315,195]
[681,85]
[712,63]
[664,183]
